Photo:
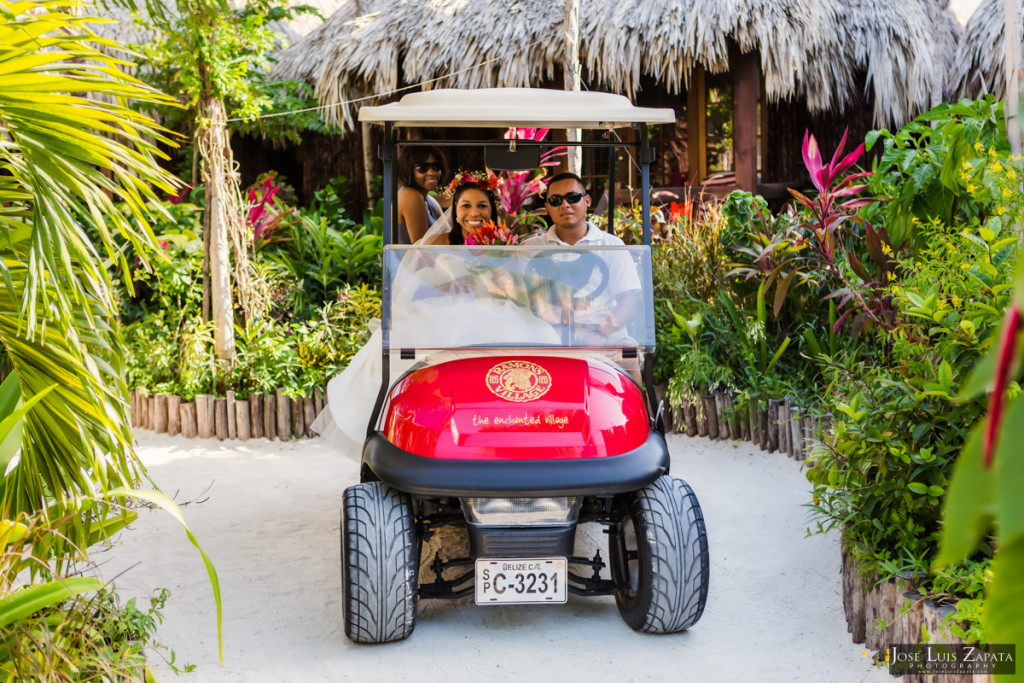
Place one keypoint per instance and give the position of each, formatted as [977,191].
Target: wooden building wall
[785,123]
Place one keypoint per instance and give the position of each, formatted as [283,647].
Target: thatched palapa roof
[979,64]
[810,49]
[124,30]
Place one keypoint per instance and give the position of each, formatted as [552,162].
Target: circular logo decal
[518,380]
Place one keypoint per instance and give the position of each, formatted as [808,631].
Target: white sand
[270,523]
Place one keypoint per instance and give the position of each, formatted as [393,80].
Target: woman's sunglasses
[571,197]
[424,167]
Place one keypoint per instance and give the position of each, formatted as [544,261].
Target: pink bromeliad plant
[515,187]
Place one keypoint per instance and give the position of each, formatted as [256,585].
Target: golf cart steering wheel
[574,269]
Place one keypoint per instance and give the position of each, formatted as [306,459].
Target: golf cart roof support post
[612,152]
[646,157]
[388,151]
[387,156]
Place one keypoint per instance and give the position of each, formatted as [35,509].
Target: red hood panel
[516,407]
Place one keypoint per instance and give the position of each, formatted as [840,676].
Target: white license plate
[521,581]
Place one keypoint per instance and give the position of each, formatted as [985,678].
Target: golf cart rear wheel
[659,558]
[378,564]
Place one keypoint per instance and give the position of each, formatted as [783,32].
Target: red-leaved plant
[264,215]
[817,249]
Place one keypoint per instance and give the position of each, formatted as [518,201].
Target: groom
[567,202]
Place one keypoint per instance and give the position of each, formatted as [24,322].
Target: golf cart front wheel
[659,558]
[378,564]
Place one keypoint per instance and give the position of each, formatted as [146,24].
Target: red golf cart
[507,408]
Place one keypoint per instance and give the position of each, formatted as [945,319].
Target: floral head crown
[485,180]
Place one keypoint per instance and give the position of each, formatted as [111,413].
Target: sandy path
[270,524]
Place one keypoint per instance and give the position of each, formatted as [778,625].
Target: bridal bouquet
[491,233]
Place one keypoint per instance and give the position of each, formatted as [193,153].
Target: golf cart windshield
[496,296]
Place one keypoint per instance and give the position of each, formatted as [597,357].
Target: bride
[419,321]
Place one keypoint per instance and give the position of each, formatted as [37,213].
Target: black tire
[378,564]
[659,558]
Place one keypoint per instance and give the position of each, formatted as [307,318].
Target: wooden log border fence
[261,416]
[771,424]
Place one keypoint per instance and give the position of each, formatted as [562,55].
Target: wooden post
[256,415]
[853,594]
[270,416]
[745,73]
[220,418]
[796,441]
[242,420]
[571,67]
[809,438]
[318,400]
[784,426]
[723,422]
[711,412]
[697,127]
[762,418]
[232,427]
[690,418]
[204,416]
[734,418]
[310,414]
[173,415]
[702,416]
[284,416]
[298,417]
[773,424]
[1011,71]
[189,427]
[147,412]
[755,424]
[160,413]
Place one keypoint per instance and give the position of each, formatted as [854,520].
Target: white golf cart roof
[514,108]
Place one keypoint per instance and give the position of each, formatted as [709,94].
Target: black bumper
[436,477]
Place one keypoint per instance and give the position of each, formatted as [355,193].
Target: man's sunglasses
[571,197]
[423,168]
